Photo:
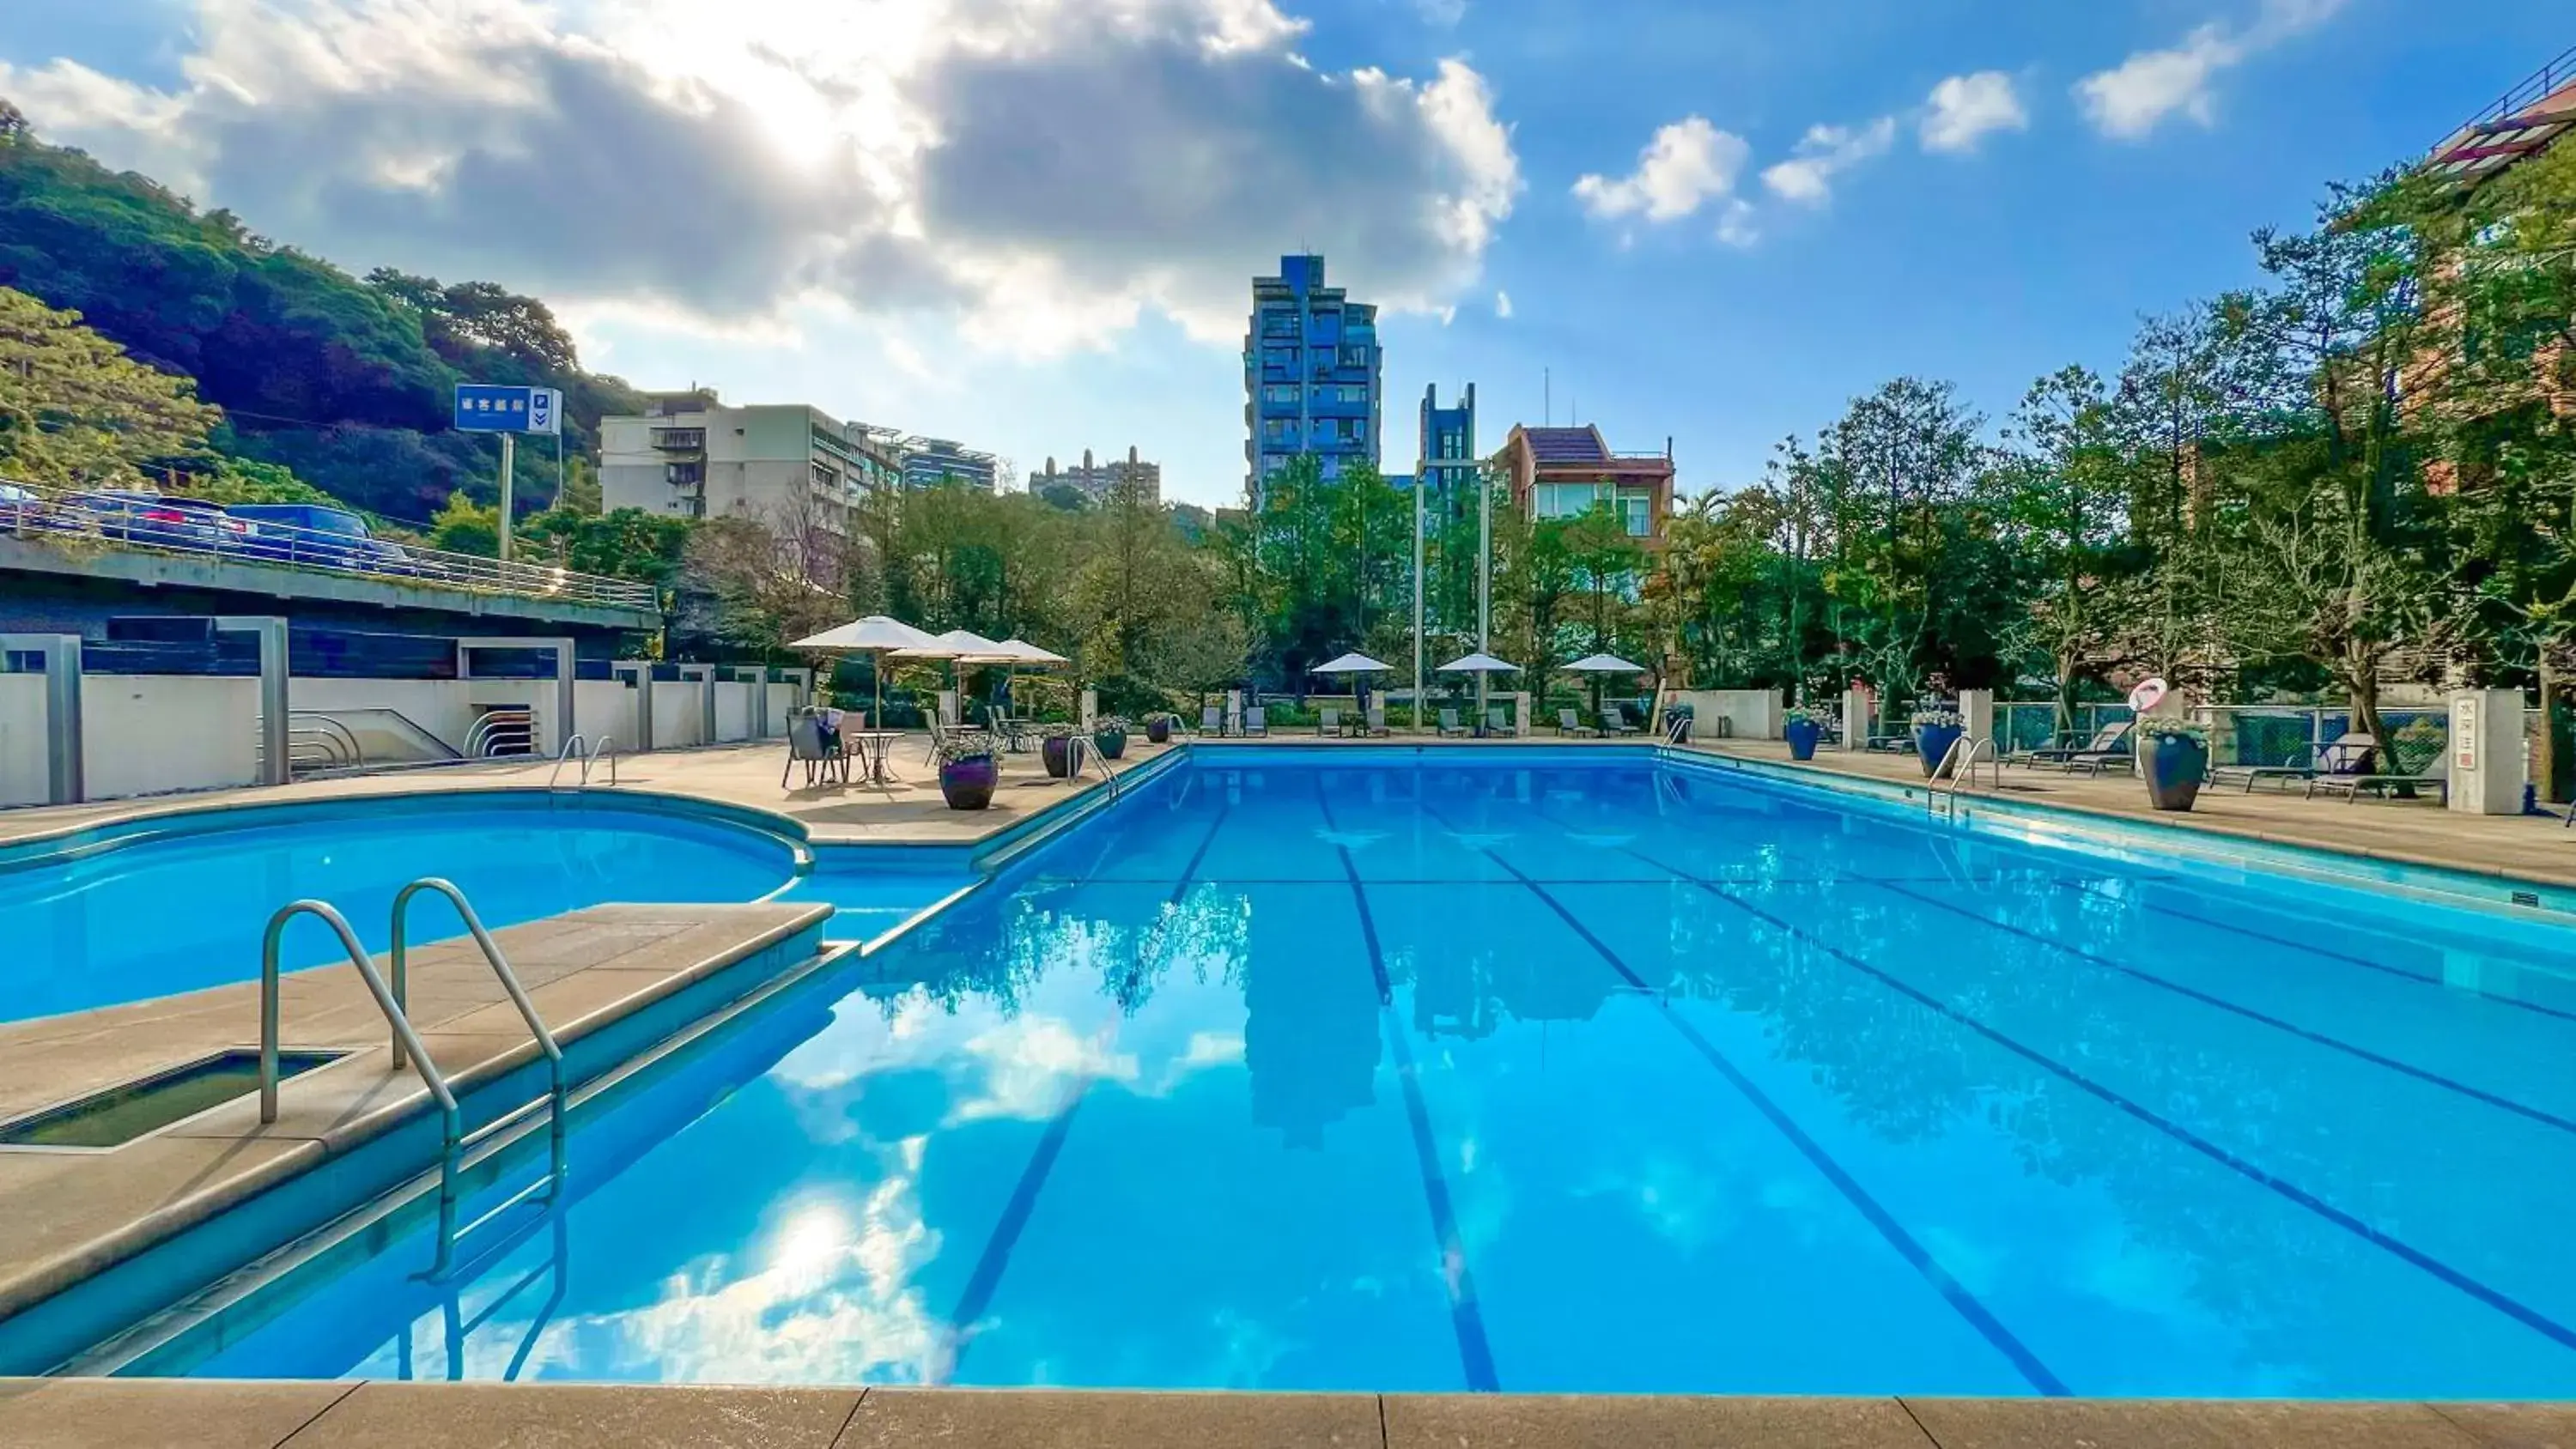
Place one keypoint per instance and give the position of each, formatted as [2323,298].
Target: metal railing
[179,525]
[319,742]
[407,1045]
[580,748]
[1958,766]
[457,1144]
[502,733]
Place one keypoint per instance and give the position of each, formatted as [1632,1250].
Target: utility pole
[1421,481]
[509,462]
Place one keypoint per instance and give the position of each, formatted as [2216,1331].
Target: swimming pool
[178,903]
[1537,1071]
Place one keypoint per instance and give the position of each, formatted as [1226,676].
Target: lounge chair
[1568,724]
[1211,721]
[1449,723]
[2346,754]
[1256,721]
[2353,783]
[1614,721]
[2108,743]
[1377,720]
[1498,721]
[805,747]
[1328,722]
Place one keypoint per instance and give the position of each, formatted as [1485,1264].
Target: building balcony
[680,440]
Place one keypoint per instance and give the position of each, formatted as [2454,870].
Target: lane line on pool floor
[995,1260]
[2317,1038]
[2416,1257]
[1904,1243]
[1466,1318]
[2192,993]
[2340,957]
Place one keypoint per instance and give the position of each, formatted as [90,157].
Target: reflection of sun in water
[811,1245]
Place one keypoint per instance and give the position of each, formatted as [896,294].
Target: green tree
[74,409]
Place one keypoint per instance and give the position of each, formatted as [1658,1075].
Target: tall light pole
[1484,580]
[1421,481]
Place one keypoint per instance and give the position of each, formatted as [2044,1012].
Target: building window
[1638,514]
[826,479]
[1285,394]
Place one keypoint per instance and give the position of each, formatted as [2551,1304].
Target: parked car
[320,537]
[141,517]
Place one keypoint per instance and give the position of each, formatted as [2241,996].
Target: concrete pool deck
[2409,832]
[908,810]
[166,1414]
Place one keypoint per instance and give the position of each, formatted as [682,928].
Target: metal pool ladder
[580,748]
[390,998]
[1959,766]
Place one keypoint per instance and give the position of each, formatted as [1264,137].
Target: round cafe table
[871,748]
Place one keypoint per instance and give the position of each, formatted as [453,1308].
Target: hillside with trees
[345,381]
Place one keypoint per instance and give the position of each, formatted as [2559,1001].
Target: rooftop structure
[929,462]
[1563,472]
[2524,121]
[1098,481]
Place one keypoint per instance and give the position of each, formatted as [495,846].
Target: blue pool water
[1523,1073]
[183,911]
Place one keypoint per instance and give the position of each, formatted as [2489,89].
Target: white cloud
[1735,225]
[1446,13]
[1503,305]
[2131,99]
[1824,153]
[1040,173]
[1963,109]
[1688,164]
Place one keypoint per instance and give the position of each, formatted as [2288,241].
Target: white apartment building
[691,455]
[1096,481]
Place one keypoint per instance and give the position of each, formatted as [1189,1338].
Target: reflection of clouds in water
[827,1298]
[1030,1063]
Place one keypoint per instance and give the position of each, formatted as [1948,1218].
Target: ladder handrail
[406,1040]
[1961,773]
[454,1149]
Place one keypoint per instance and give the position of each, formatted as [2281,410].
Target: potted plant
[970,765]
[1109,733]
[1159,726]
[1935,731]
[2173,754]
[1062,750]
[1803,727]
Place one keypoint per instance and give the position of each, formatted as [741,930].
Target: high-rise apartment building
[1448,467]
[689,454]
[1311,375]
[1098,481]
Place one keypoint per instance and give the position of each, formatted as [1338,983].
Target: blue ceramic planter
[1933,743]
[1802,735]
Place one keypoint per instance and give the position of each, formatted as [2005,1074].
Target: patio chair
[1568,724]
[1328,722]
[1211,721]
[2356,779]
[1614,721]
[805,747]
[2348,753]
[1449,723]
[1256,721]
[1377,720]
[2108,742]
[1498,721]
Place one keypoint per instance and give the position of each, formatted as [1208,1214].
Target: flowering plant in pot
[1159,726]
[2173,756]
[970,765]
[1935,731]
[1061,748]
[1109,733]
[1803,727]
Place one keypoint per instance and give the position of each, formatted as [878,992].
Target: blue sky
[1030,224]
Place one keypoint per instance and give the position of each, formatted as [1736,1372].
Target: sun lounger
[2353,785]
[1614,721]
[1328,722]
[2108,743]
[1211,721]
[1568,724]
[2349,753]
[1377,720]
[1256,721]
[1498,721]
[1449,723]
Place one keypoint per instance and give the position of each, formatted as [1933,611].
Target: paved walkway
[2413,832]
[147,1414]
[907,809]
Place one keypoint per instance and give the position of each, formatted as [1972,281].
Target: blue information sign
[491,408]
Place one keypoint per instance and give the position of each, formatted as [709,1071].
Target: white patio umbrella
[1479,664]
[876,635]
[961,647]
[1600,664]
[1023,652]
[1352,664]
